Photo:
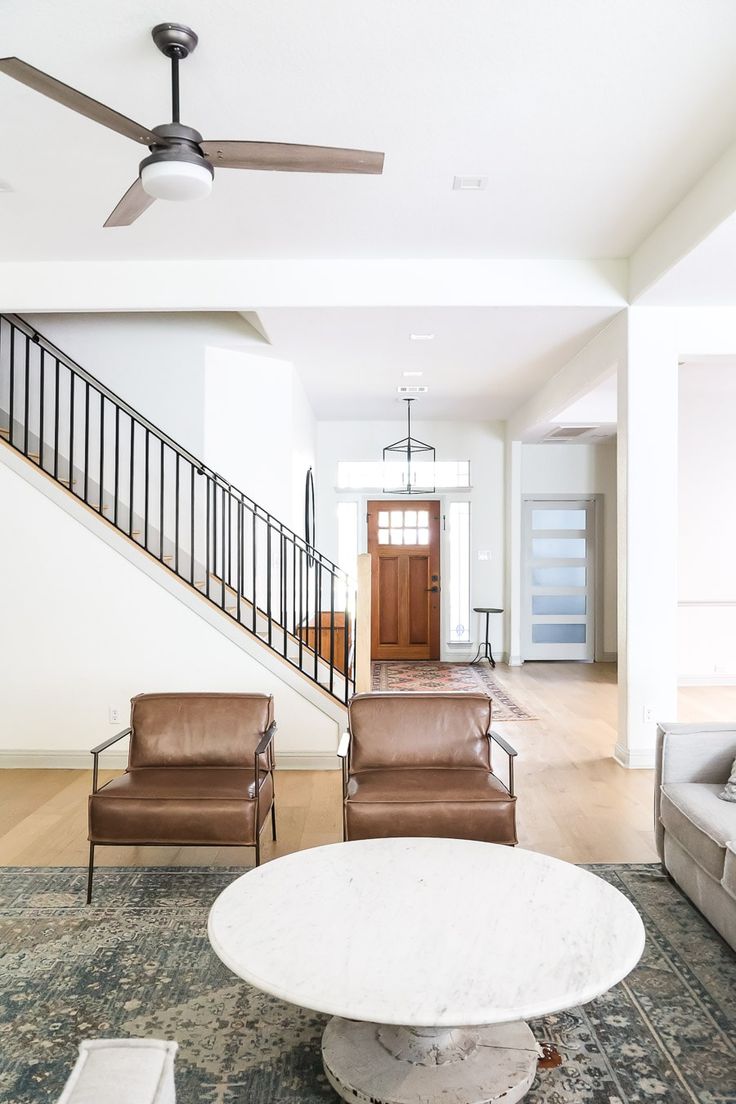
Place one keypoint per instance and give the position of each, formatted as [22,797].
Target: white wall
[707,522]
[581,469]
[83,629]
[483,445]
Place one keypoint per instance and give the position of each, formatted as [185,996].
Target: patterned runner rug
[425,675]
[137,962]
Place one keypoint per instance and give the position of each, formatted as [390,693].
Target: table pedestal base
[373,1063]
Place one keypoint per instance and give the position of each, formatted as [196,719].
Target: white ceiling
[482,363]
[590,118]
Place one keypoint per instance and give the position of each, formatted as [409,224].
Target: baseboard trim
[515,661]
[299,760]
[706,680]
[607,657]
[18,759]
[634,758]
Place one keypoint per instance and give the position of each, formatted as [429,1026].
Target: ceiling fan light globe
[179,180]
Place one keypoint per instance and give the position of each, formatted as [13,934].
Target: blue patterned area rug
[137,962]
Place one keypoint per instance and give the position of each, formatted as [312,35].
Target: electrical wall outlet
[114,715]
[648,714]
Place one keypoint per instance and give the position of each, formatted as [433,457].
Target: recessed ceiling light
[412,373]
[5,187]
[469,183]
[421,337]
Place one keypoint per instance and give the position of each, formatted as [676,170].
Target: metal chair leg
[90,872]
[258,849]
[273,821]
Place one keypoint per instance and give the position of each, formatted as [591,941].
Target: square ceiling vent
[570,433]
[408,389]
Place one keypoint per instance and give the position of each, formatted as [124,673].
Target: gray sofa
[695,830]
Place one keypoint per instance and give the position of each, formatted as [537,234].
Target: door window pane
[397,536]
[382,519]
[566,604]
[423,535]
[397,519]
[558,519]
[558,634]
[558,576]
[410,536]
[410,518]
[422,518]
[383,536]
[559,548]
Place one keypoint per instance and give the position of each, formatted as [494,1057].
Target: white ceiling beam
[249,285]
[587,369]
[708,204]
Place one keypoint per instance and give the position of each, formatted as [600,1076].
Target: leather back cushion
[419,730]
[198,730]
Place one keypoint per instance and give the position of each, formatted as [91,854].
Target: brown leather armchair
[200,772]
[420,765]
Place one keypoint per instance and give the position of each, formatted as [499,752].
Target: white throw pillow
[729,794]
[122,1071]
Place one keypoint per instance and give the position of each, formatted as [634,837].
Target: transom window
[366,475]
[403,526]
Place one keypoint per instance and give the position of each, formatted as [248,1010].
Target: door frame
[596,501]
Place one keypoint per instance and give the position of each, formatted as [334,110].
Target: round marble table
[429,954]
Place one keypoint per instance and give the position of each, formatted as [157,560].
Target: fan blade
[131,206]
[286,157]
[77,101]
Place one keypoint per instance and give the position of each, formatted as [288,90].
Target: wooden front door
[404,543]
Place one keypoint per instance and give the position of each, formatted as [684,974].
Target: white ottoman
[122,1071]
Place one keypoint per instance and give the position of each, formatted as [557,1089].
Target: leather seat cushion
[179,805]
[701,823]
[455,804]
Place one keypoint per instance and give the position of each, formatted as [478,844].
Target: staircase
[216,541]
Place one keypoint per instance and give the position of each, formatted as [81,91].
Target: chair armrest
[263,743]
[112,740]
[343,746]
[101,747]
[495,737]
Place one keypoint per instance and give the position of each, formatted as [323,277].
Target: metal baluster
[162,459]
[102,451]
[72,403]
[254,608]
[282,595]
[176,515]
[145,490]
[132,476]
[301,608]
[268,578]
[332,629]
[214,532]
[317,616]
[192,500]
[56,419]
[207,543]
[86,441]
[240,557]
[27,396]
[41,410]
[116,469]
[223,601]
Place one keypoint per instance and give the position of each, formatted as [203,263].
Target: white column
[513,551]
[647,532]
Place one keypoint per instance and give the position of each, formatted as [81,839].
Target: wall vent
[570,433]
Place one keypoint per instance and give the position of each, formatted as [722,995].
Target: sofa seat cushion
[699,821]
[186,805]
[729,869]
[455,804]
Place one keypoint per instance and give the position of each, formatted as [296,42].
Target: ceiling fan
[181,164]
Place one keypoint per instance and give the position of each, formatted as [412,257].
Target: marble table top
[426,932]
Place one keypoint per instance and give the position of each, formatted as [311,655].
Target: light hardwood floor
[575,801]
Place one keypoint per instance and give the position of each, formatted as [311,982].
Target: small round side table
[484,648]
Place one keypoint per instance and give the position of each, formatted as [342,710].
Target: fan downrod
[175,40]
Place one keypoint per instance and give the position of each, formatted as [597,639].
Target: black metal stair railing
[211,535]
